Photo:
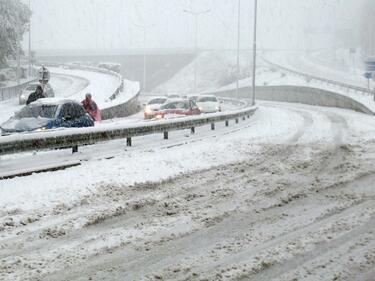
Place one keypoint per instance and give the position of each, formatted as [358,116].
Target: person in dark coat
[38,94]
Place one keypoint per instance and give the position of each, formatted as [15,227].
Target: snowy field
[287,195]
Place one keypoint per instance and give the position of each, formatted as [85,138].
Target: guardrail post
[237,120]
[212,126]
[193,130]
[128,141]
[166,135]
[243,118]
[226,123]
[75,149]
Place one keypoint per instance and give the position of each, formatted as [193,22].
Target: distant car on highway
[48,113]
[29,89]
[153,106]
[177,107]
[208,104]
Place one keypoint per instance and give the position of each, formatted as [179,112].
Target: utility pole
[30,67]
[144,28]
[18,62]
[238,47]
[255,49]
[196,15]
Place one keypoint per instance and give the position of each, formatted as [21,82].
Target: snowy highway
[190,140]
[286,195]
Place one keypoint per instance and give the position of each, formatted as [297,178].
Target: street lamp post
[144,28]
[30,68]
[238,47]
[255,48]
[196,15]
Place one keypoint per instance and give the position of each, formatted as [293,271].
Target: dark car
[46,114]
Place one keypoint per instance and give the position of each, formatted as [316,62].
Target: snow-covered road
[101,85]
[288,195]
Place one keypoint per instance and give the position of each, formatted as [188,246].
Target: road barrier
[88,136]
[310,77]
[298,94]
[125,109]
[8,93]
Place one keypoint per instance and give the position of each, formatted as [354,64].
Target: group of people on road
[88,103]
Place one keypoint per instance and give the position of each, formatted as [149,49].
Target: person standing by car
[92,108]
[38,94]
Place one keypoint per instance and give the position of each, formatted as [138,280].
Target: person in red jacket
[92,108]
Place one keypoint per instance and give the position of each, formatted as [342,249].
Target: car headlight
[159,116]
[41,129]
[200,108]
[148,110]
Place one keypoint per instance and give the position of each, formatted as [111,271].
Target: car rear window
[176,105]
[157,101]
[43,111]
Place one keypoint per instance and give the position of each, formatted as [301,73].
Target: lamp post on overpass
[238,47]
[144,28]
[30,68]
[196,15]
[255,49]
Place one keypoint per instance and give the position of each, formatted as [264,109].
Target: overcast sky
[111,24]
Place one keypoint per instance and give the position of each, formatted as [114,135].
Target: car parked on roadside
[178,107]
[48,113]
[208,104]
[153,106]
[30,88]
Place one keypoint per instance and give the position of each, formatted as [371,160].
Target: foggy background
[111,24]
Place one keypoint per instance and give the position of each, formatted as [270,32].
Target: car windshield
[157,101]
[176,105]
[208,99]
[43,111]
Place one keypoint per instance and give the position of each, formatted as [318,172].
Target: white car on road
[208,104]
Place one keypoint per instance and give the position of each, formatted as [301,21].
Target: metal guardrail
[8,93]
[321,79]
[117,91]
[90,136]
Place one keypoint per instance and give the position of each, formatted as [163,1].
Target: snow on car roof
[207,96]
[177,100]
[158,97]
[52,101]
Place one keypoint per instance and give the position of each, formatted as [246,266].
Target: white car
[153,106]
[26,92]
[208,104]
